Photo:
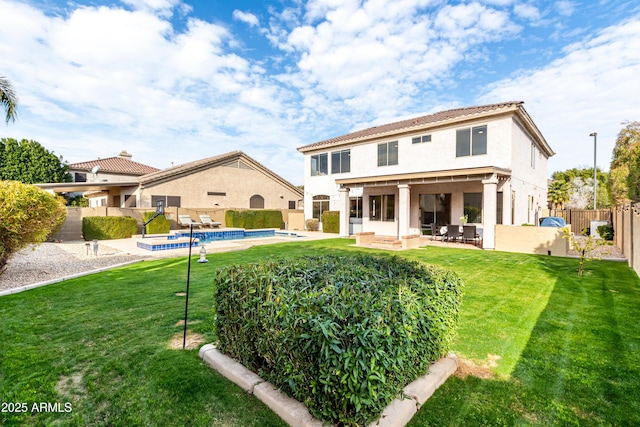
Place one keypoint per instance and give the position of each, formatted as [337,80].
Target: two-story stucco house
[487,162]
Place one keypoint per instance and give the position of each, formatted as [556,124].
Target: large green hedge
[160,225]
[108,227]
[331,221]
[342,334]
[28,215]
[251,219]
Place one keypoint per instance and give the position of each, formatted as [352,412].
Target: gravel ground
[50,261]
[606,251]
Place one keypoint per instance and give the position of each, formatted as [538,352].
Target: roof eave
[511,108]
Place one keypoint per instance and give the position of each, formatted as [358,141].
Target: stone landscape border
[396,414]
[62,279]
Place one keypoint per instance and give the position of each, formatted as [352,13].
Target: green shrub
[312,224]
[342,334]
[606,231]
[331,221]
[78,201]
[251,219]
[160,225]
[27,215]
[108,227]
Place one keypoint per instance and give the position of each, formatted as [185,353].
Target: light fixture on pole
[595,180]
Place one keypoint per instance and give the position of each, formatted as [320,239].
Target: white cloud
[527,11]
[368,59]
[89,91]
[247,18]
[592,88]
[176,88]
[159,7]
[565,7]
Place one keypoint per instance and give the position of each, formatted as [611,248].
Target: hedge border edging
[397,413]
[65,278]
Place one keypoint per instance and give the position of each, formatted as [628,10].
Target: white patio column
[489,210]
[344,211]
[506,202]
[404,209]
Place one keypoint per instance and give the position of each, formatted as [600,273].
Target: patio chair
[435,231]
[453,232]
[206,220]
[469,233]
[186,221]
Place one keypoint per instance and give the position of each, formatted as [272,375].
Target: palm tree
[8,99]
[558,194]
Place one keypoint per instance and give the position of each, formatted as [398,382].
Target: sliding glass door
[435,208]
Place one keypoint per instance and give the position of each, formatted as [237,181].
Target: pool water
[212,236]
[201,237]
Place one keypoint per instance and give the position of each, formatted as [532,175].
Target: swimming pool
[180,239]
[235,234]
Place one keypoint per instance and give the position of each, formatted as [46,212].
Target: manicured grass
[567,349]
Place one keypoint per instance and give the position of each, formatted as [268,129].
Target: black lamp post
[595,181]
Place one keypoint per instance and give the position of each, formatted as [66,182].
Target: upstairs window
[471,141]
[341,161]
[533,155]
[388,153]
[319,164]
[421,139]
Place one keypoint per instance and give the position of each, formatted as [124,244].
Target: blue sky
[173,81]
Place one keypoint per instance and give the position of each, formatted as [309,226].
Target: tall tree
[625,164]
[8,99]
[558,194]
[578,184]
[30,163]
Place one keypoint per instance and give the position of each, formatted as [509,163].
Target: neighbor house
[115,176]
[231,180]
[487,162]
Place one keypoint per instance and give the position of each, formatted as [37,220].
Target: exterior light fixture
[203,255]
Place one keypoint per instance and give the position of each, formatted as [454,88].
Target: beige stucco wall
[531,240]
[239,185]
[295,220]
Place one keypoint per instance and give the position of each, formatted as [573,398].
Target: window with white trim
[421,139]
[473,207]
[471,141]
[533,155]
[319,164]
[382,208]
[320,204]
[388,153]
[355,207]
[341,161]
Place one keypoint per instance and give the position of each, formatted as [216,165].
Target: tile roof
[211,162]
[417,123]
[115,165]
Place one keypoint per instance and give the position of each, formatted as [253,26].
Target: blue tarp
[552,221]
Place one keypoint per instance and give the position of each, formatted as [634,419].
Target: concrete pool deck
[129,246]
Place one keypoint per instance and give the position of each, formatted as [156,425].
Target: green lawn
[566,350]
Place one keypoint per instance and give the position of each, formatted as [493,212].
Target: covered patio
[406,204]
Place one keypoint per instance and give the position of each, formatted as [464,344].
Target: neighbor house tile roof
[417,123]
[211,162]
[115,165]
